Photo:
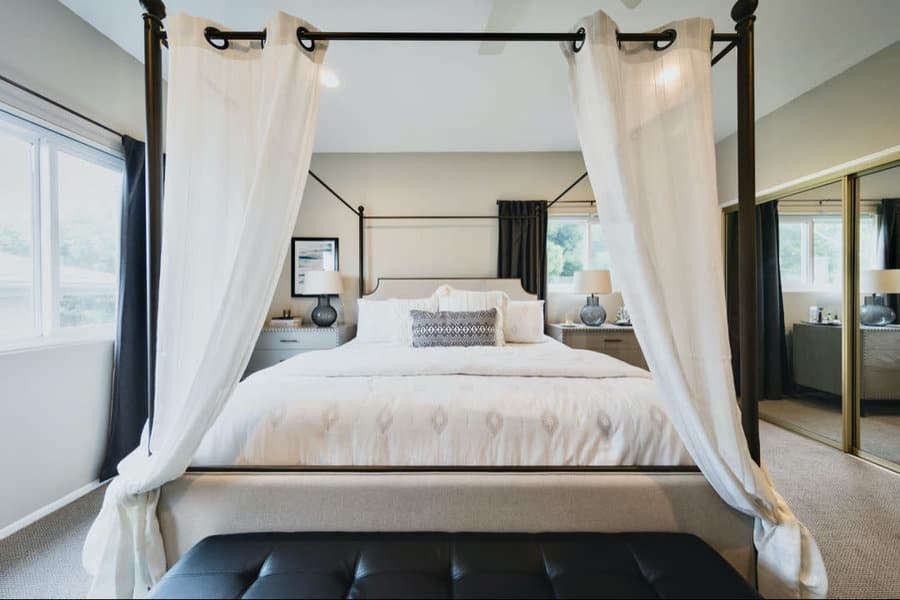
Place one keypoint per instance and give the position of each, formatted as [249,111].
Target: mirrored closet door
[800,241]
[829,306]
[878,343]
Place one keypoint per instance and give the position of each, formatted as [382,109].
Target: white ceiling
[431,97]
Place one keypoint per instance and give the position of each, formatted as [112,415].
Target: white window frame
[586,220]
[808,251]
[46,144]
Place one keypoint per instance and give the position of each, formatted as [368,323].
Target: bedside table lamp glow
[874,282]
[323,284]
[593,282]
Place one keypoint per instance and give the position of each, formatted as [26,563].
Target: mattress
[388,405]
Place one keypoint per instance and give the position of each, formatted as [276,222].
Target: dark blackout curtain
[890,242]
[522,250]
[129,387]
[773,359]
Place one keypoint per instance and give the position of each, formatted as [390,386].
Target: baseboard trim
[50,508]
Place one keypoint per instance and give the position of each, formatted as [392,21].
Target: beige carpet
[851,507]
[44,559]
[879,430]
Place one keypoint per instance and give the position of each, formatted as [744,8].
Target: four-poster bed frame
[434,498]
[743,13]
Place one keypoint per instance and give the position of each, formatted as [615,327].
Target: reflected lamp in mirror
[878,281]
[593,282]
[323,284]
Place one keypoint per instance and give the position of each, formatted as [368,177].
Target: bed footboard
[201,504]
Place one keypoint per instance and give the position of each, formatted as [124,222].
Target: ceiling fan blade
[505,15]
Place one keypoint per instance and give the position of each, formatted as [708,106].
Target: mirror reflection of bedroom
[803,309]
[879,335]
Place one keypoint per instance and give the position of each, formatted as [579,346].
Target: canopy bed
[643,112]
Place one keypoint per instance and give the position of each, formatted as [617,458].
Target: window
[810,250]
[18,277]
[60,203]
[574,243]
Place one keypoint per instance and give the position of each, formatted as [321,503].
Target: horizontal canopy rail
[430,217]
[662,37]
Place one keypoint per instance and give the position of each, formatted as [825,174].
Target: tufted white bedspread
[388,405]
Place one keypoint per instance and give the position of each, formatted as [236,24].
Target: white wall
[850,116]
[426,184]
[54,401]
[48,48]
[54,406]
[846,118]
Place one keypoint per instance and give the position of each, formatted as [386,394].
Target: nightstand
[276,345]
[618,342]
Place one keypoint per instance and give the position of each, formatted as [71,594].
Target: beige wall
[419,184]
[850,116]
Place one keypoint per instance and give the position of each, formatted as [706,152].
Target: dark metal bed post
[743,15]
[360,211]
[155,12]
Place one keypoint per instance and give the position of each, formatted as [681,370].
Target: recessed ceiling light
[329,78]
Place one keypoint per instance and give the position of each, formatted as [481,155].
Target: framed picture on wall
[311,254]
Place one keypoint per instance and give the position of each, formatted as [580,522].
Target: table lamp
[878,281]
[592,281]
[323,284]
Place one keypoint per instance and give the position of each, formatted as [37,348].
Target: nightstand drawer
[618,342]
[276,345]
[612,342]
[302,339]
[632,357]
[262,359]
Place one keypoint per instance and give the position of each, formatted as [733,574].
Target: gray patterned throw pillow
[454,328]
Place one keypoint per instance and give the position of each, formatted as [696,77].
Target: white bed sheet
[389,405]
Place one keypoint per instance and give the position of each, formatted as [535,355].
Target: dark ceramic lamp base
[324,314]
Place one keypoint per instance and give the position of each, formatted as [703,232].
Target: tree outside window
[574,243]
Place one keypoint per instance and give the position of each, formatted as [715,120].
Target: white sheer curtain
[240,126]
[644,118]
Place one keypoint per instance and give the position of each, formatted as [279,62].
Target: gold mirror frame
[849,177]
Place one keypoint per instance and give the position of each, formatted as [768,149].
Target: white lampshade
[592,281]
[880,281]
[322,283]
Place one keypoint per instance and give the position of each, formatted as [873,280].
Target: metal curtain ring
[209,32]
[303,42]
[577,45]
[658,46]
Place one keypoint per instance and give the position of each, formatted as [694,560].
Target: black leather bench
[446,565]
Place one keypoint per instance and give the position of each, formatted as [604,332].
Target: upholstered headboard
[414,287]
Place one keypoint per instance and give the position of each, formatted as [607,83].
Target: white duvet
[387,405]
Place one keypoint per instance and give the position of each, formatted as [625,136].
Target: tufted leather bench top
[448,565]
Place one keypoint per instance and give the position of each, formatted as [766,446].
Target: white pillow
[464,300]
[375,321]
[402,322]
[524,321]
